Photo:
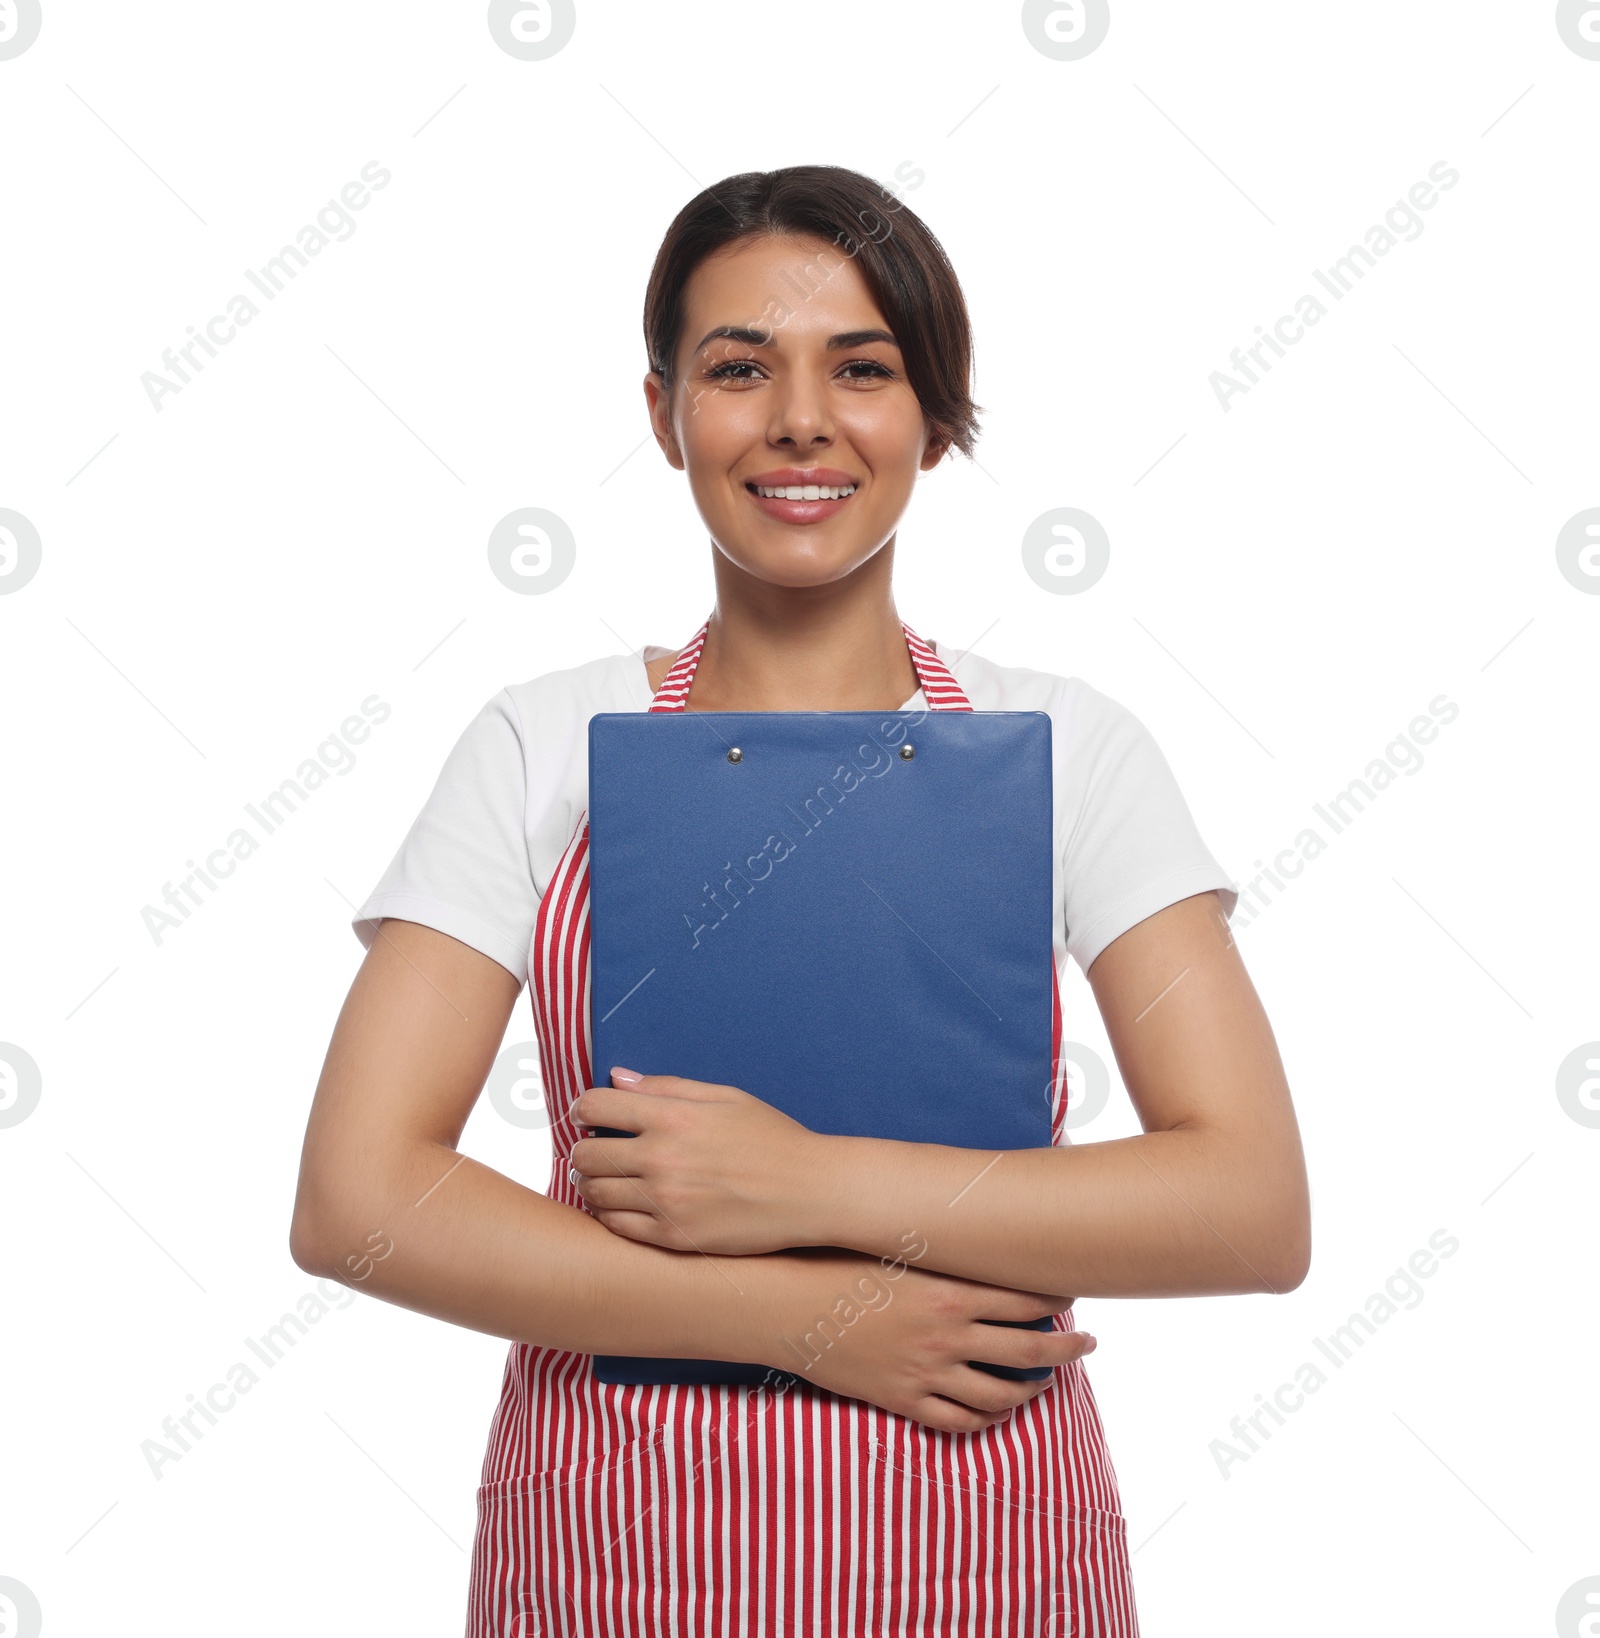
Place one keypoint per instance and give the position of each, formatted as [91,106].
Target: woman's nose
[800,413]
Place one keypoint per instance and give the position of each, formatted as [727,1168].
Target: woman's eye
[731,370]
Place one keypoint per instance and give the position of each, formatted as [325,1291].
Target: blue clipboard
[846,914]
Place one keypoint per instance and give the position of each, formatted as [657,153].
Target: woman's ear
[659,400]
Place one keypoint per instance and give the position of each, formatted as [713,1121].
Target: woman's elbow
[319,1228]
[337,1202]
[1281,1219]
[1290,1267]
[307,1242]
[1286,1258]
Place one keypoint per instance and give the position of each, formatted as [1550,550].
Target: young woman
[802,330]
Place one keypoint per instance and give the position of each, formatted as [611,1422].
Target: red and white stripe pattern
[632,1511]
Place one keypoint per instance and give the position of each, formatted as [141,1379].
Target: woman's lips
[799,511]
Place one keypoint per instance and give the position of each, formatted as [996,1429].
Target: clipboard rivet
[907,751]
[736,755]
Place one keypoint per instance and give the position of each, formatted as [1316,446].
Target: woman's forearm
[1186,1212]
[432,1230]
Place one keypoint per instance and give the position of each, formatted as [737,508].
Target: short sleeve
[464,867]
[1132,845]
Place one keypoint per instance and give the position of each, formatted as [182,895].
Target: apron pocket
[531,1485]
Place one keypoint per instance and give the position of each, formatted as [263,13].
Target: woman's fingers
[1005,1345]
[973,1399]
[914,1356]
[614,1193]
[968,1399]
[999,1302]
[1032,1349]
[607,1157]
[950,1417]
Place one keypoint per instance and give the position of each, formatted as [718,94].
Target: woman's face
[811,389]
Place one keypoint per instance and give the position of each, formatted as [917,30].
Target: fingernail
[1089,1343]
[627,1077]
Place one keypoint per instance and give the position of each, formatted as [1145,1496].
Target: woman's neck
[850,658]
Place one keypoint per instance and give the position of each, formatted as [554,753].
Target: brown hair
[902,263]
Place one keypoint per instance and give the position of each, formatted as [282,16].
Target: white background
[1291,581]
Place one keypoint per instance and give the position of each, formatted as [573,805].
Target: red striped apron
[628,1510]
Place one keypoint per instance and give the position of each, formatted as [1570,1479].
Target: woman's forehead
[803,288]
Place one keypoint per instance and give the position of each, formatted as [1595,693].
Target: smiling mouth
[802,491]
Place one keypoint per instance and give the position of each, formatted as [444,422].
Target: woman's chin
[796,568]
[795,556]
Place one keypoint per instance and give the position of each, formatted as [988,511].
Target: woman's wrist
[829,1174]
[767,1295]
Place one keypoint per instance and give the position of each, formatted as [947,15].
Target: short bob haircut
[902,263]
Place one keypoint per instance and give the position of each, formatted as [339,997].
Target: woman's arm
[387,1205]
[1212,1198]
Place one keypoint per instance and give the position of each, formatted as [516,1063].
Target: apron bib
[634,1509]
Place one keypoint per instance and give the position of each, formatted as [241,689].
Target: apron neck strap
[938,683]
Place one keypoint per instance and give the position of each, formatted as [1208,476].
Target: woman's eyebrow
[754,336]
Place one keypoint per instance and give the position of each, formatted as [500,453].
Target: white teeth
[807,491]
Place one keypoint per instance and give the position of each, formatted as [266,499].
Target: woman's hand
[902,1337]
[712,1169]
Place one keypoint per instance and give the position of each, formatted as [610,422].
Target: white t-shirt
[489,837]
